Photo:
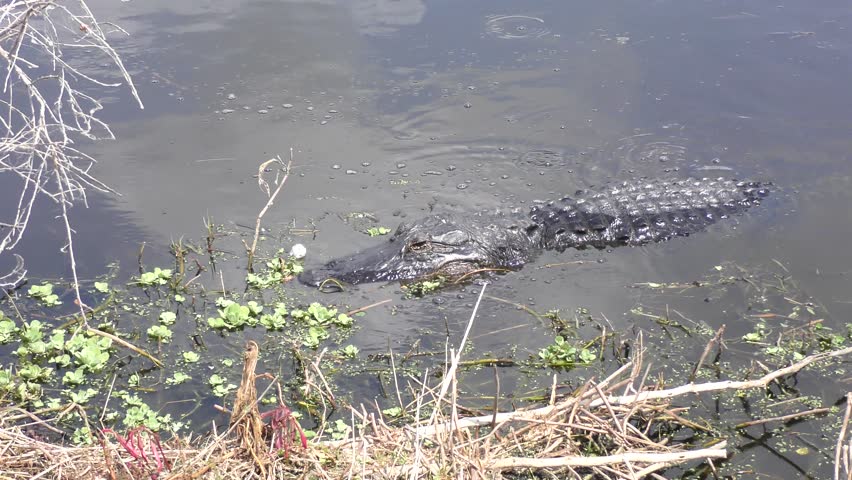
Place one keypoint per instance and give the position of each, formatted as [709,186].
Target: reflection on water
[399,108]
[384,17]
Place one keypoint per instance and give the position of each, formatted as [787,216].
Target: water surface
[399,108]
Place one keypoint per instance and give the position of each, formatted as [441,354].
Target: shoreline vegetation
[622,426]
[629,423]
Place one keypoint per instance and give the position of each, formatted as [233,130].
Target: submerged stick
[783,418]
[359,310]
[717,451]
[717,339]
[450,376]
[125,344]
[840,448]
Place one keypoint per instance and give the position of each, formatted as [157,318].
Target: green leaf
[148,278]
[63,360]
[254,308]
[57,340]
[217,323]
[82,436]
[587,356]
[40,291]
[178,378]
[393,412]
[350,351]
[376,231]
[35,373]
[220,388]
[32,332]
[92,357]
[168,318]
[82,397]
[5,380]
[179,298]
[314,336]
[321,313]
[76,377]
[102,287]
[753,337]
[159,276]
[344,320]
[222,302]
[142,415]
[7,329]
[273,322]
[37,348]
[235,315]
[160,332]
[190,357]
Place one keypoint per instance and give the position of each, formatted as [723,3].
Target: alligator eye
[418,246]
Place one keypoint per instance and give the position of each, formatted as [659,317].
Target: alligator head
[436,245]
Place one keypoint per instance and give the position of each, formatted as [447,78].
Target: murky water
[398,108]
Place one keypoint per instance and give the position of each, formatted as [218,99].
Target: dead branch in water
[46,108]
[272,195]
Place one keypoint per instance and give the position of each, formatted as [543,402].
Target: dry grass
[618,427]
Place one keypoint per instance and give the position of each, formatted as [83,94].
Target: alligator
[619,214]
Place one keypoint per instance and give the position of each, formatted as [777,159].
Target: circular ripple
[540,158]
[645,154]
[516,26]
[634,150]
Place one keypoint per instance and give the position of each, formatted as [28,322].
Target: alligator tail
[637,214]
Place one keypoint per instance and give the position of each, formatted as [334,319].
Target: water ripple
[515,26]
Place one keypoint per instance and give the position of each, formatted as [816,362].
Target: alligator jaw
[388,262]
[375,264]
[385,263]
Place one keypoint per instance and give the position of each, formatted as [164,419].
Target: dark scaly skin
[615,215]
